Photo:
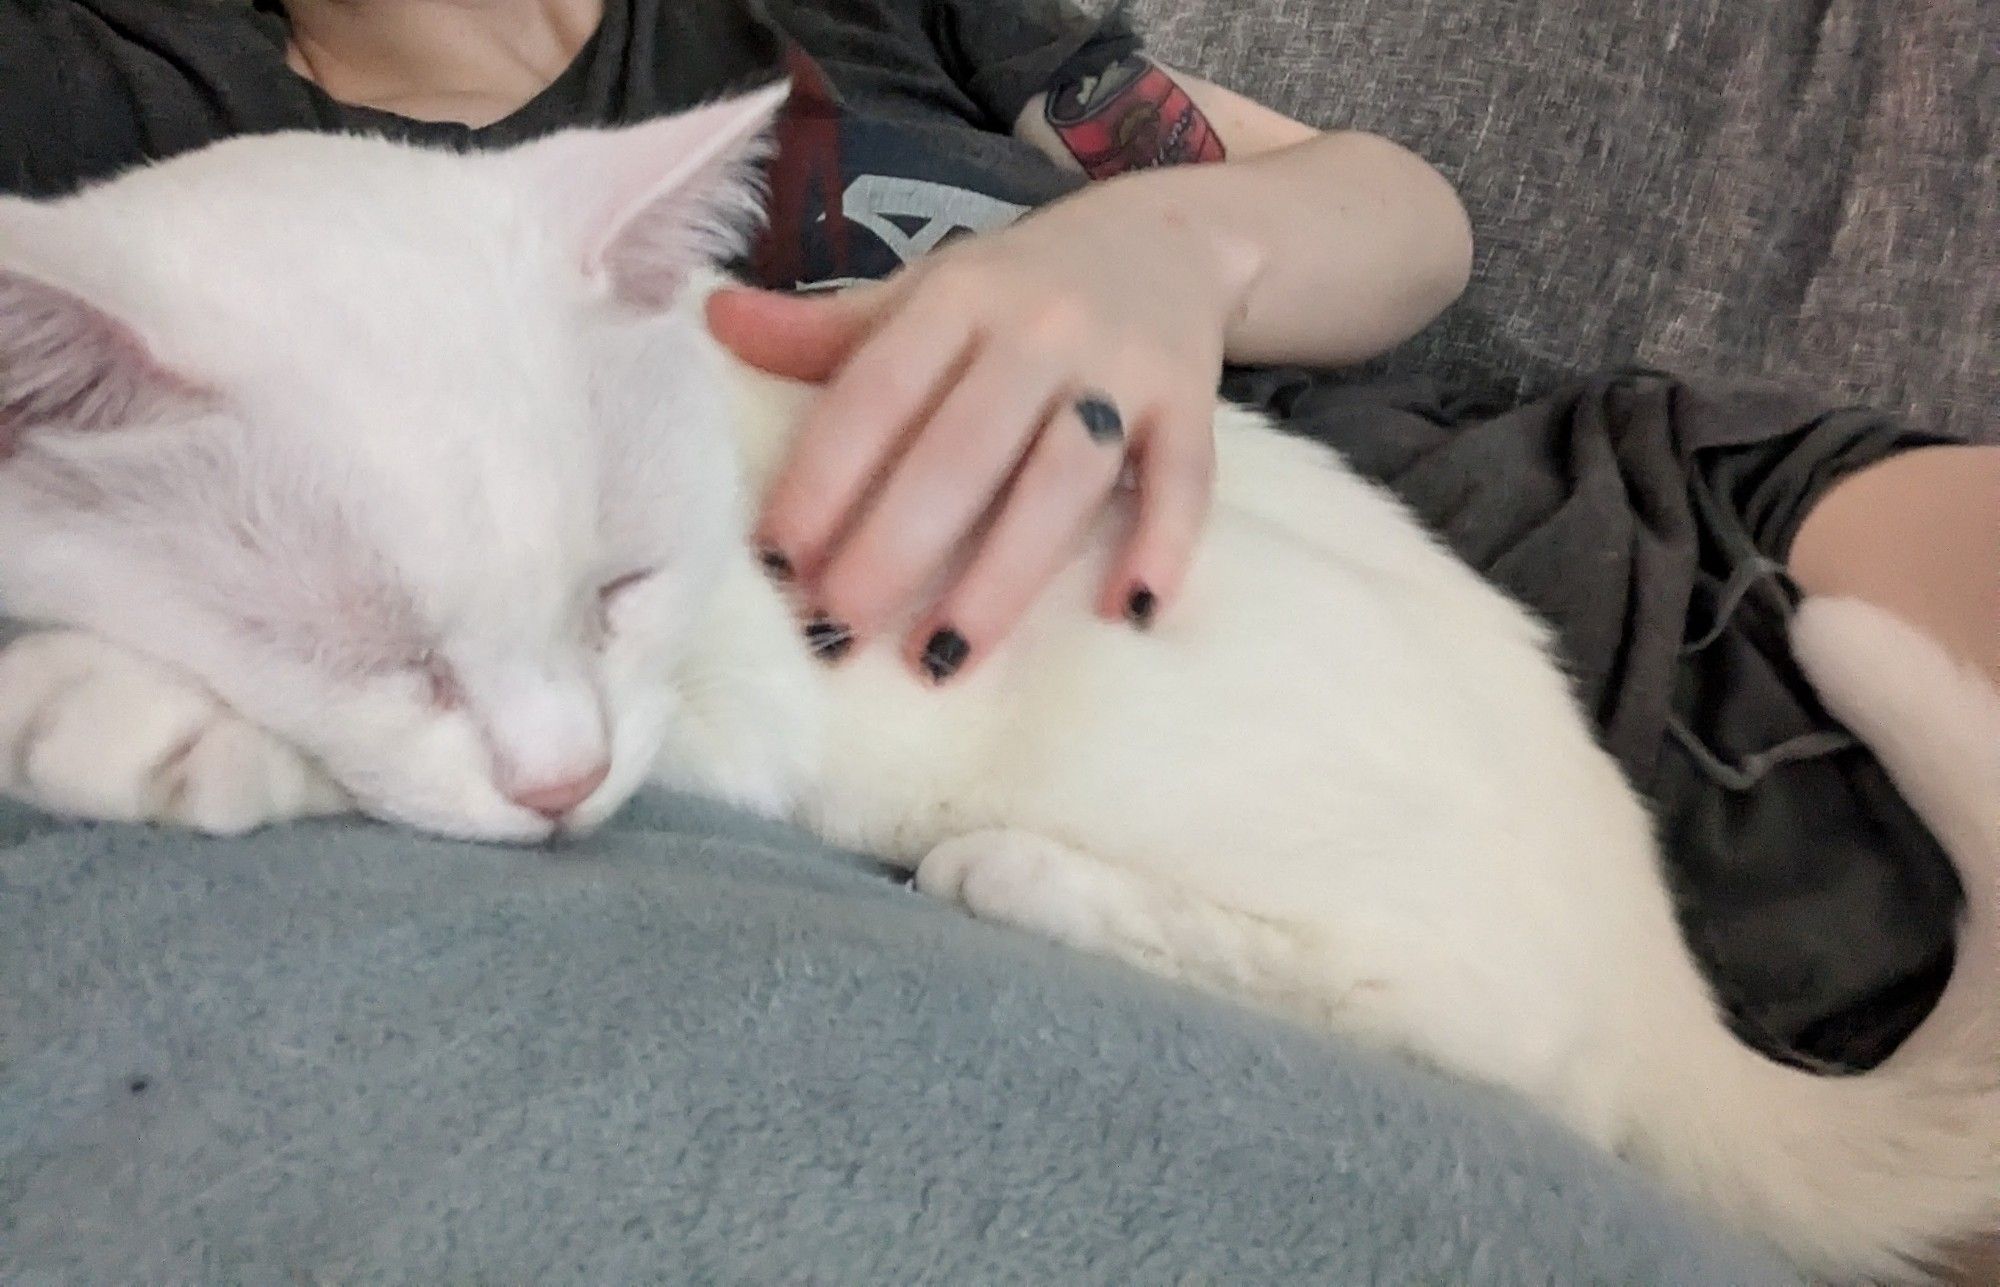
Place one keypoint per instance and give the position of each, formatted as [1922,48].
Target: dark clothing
[928,93]
[1647,520]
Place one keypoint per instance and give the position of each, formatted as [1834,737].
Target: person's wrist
[1184,213]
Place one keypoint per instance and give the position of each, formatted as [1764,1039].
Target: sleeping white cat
[423,465]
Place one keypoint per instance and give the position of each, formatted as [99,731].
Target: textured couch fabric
[699,1049]
[1804,193]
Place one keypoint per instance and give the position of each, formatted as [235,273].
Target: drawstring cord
[1752,769]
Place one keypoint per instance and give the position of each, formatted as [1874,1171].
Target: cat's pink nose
[555,799]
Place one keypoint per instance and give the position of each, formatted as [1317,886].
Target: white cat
[424,464]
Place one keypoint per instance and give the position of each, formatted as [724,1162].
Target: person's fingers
[1174,465]
[803,337]
[1069,472]
[941,487]
[853,430]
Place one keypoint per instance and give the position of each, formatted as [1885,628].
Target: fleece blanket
[699,1048]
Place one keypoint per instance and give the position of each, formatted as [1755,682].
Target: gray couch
[699,1048]
[1803,193]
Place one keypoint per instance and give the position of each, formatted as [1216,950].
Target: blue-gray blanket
[697,1048]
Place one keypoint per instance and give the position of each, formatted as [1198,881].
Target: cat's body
[1343,778]
[1165,753]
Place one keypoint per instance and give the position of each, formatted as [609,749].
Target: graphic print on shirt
[856,197]
[913,217]
[804,165]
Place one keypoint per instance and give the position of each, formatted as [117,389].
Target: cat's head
[418,459]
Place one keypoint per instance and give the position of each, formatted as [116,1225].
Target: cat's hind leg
[93,730]
[1032,883]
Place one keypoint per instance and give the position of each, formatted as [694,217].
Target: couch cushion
[697,1048]
[1804,193]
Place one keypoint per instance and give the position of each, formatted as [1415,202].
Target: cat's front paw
[1027,881]
[94,730]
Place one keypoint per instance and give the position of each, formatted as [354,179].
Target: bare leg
[1918,535]
[1980,1265]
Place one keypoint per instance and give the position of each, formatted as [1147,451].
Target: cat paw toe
[90,730]
[995,875]
[232,777]
[941,873]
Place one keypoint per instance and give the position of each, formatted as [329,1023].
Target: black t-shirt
[902,123]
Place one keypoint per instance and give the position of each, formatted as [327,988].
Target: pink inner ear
[64,362]
[651,203]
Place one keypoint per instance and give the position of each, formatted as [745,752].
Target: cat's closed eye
[445,692]
[610,590]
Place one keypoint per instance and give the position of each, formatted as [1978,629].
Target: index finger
[805,337]
[853,428]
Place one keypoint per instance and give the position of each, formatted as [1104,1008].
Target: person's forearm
[1336,249]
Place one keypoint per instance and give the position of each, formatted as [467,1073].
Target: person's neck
[472,61]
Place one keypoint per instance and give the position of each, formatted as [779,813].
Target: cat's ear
[647,205]
[66,363]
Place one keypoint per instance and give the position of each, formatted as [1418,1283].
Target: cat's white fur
[340,439]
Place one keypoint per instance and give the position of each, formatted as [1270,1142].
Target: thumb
[804,337]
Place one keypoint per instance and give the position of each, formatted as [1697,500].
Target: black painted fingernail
[829,640]
[775,563]
[944,654]
[1139,607]
[1100,419]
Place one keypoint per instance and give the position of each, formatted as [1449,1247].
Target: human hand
[979,411]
